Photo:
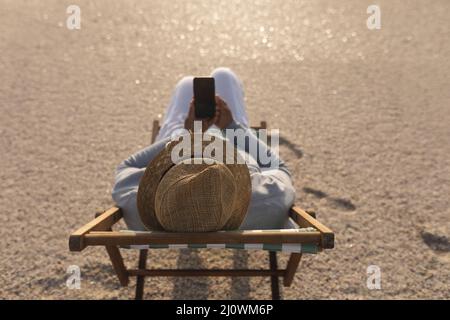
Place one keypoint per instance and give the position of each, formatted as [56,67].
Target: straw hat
[189,196]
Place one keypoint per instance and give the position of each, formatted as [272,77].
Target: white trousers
[228,87]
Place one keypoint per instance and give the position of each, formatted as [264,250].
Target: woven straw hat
[189,196]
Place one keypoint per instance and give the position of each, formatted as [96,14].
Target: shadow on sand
[198,287]
[339,203]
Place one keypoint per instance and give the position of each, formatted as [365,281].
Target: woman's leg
[229,88]
[178,108]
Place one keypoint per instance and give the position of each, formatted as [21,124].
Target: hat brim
[163,162]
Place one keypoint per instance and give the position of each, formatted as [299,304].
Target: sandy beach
[364,119]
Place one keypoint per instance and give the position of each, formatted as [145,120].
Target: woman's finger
[191,112]
[219,101]
[216,116]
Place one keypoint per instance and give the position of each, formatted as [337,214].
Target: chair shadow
[291,146]
[339,203]
[315,192]
[437,243]
[240,286]
[190,288]
[197,288]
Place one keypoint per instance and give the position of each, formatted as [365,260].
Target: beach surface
[364,119]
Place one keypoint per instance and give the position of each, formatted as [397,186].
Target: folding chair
[305,234]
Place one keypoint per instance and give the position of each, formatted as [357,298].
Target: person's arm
[262,149]
[128,176]
[272,190]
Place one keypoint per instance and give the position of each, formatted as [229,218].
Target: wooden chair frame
[99,232]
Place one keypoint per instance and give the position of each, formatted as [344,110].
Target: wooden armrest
[103,222]
[115,238]
[305,220]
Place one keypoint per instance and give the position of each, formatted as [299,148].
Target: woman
[272,192]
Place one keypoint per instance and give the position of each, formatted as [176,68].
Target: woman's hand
[223,114]
[206,123]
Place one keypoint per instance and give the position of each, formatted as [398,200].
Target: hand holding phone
[224,115]
[204,97]
[206,122]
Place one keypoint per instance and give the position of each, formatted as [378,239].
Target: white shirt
[272,191]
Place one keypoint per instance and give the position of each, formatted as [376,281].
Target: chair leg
[141,279]
[274,279]
[291,268]
[118,264]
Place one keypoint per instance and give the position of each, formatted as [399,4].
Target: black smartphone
[204,97]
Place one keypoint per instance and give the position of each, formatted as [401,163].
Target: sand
[364,119]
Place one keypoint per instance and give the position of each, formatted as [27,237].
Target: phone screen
[204,97]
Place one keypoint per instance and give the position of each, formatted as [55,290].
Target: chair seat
[301,234]
[282,247]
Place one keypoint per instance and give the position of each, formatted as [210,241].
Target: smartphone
[204,97]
